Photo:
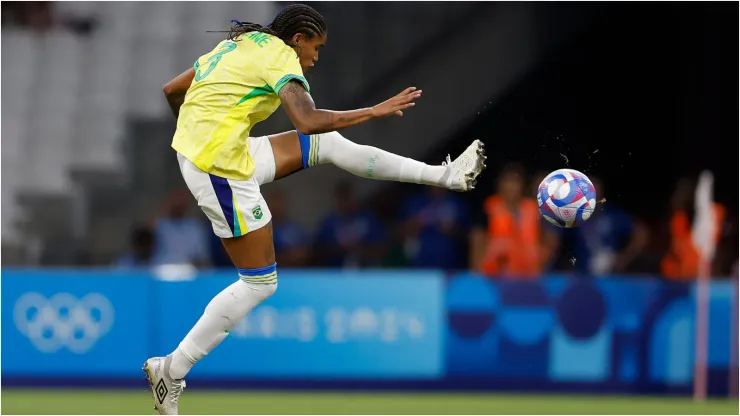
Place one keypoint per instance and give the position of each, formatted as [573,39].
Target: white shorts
[234,207]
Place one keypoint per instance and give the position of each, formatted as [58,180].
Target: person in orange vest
[681,262]
[512,241]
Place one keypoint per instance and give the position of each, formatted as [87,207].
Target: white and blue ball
[566,198]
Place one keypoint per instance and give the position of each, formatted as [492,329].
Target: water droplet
[566,159]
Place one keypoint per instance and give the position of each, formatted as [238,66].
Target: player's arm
[175,90]
[302,111]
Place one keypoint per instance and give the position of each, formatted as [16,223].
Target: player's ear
[298,37]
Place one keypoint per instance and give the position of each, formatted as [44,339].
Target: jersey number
[214,60]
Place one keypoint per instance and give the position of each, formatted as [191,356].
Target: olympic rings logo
[63,321]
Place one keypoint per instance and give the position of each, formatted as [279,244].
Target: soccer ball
[566,198]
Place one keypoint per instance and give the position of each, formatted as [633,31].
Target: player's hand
[397,104]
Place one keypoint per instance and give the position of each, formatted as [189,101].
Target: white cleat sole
[472,172]
[150,379]
[159,391]
[480,163]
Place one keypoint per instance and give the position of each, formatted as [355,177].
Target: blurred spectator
[436,224]
[534,183]
[609,241]
[681,262]
[349,237]
[141,253]
[385,205]
[36,15]
[79,16]
[180,239]
[291,241]
[509,239]
[729,245]
[218,255]
[44,15]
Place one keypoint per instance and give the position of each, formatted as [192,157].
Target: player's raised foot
[165,390]
[464,170]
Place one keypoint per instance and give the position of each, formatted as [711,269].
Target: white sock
[371,162]
[222,314]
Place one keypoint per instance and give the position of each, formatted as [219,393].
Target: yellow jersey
[236,86]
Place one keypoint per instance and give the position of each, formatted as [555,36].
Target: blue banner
[70,323]
[609,334]
[619,332]
[326,325]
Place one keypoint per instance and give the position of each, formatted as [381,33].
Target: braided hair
[296,18]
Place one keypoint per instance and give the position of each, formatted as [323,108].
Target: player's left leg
[240,216]
[293,151]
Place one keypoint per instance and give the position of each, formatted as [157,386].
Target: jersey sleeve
[283,68]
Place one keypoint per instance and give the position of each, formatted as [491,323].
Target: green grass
[235,402]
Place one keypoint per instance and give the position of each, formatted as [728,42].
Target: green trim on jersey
[264,90]
[284,80]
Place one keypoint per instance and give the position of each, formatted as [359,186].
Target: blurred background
[384,286]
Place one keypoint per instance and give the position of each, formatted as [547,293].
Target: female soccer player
[217,102]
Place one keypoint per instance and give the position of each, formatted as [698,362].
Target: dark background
[643,98]
[647,96]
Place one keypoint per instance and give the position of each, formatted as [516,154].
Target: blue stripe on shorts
[225,198]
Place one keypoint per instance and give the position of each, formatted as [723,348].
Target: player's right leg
[241,218]
[292,151]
